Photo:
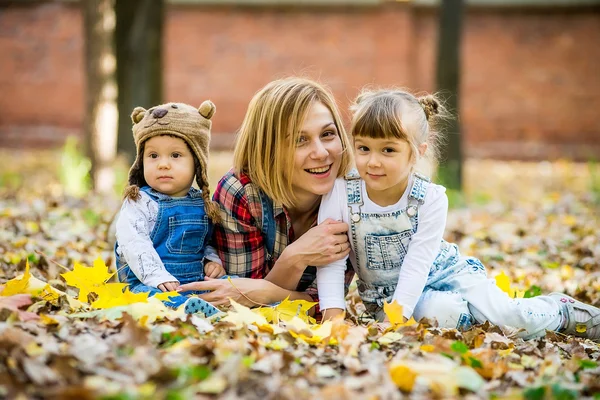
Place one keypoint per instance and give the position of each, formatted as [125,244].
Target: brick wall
[529,86]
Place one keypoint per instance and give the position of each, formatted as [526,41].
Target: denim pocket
[386,252]
[186,235]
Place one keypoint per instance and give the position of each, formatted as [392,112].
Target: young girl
[165,224]
[397,218]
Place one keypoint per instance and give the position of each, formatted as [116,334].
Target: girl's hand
[256,291]
[168,286]
[213,270]
[322,244]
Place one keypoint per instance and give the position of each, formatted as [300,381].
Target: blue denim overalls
[457,289]
[180,235]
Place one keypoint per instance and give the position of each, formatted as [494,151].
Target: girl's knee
[449,309]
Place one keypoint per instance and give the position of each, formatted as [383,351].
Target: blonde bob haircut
[267,138]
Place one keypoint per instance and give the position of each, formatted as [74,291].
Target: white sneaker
[583,320]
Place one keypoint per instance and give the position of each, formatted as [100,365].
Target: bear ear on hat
[207,109]
[138,114]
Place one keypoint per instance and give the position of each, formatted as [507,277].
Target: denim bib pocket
[186,235]
[386,252]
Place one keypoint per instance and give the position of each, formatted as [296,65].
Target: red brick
[529,84]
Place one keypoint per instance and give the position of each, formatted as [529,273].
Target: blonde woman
[290,149]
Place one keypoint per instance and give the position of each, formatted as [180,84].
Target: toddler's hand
[168,286]
[213,270]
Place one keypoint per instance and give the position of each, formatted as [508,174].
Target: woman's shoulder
[236,192]
[233,184]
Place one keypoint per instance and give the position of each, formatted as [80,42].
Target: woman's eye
[301,139]
[329,133]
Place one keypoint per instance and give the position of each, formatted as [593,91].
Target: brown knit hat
[182,121]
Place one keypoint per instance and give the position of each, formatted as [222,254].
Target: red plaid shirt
[239,237]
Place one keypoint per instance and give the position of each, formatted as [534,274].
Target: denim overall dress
[457,291]
[180,235]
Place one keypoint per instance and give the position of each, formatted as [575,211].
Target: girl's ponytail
[430,105]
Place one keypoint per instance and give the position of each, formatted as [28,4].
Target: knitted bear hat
[182,121]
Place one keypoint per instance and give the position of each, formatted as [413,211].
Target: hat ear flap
[138,114]
[207,109]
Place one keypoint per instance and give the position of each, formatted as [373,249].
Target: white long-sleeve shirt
[422,251]
[135,223]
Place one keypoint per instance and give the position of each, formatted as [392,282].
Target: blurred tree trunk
[101,91]
[138,42]
[448,82]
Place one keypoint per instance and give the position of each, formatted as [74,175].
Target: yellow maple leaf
[18,285]
[403,377]
[112,295]
[428,348]
[503,282]
[393,311]
[48,320]
[49,294]
[268,313]
[288,309]
[311,334]
[87,279]
[166,296]
[242,315]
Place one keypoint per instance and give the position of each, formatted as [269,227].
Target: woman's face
[318,155]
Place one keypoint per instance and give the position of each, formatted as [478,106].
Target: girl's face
[318,155]
[384,165]
[168,165]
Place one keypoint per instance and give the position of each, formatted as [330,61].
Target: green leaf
[175,395]
[169,339]
[560,393]
[459,347]
[247,361]
[551,265]
[199,372]
[375,346]
[534,393]
[533,291]
[120,396]
[584,364]
[475,363]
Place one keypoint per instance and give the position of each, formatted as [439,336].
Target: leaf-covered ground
[535,223]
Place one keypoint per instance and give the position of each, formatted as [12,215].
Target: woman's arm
[320,245]
[249,292]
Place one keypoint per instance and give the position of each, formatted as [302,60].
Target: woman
[290,149]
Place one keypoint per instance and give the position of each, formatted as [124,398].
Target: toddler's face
[168,165]
[384,165]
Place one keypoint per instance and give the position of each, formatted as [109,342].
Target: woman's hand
[322,244]
[256,291]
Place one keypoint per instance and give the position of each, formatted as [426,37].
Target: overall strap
[268,223]
[354,194]
[416,196]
